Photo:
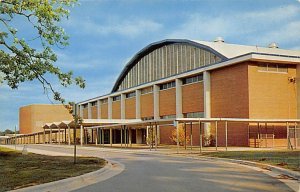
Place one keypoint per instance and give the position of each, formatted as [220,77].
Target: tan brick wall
[165,134]
[298,90]
[33,117]
[167,102]
[147,105]
[130,108]
[192,97]
[271,95]
[116,110]
[229,98]
[104,111]
[85,113]
[229,92]
[25,125]
[94,112]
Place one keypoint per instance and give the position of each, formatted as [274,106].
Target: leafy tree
[19,60]
[181,135]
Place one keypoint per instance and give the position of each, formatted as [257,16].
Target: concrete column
[207,111]
[44,136]
[59,135]
[139,136]
[89,110]
[179,98]
[130,136]
[123,97]
[80,111]
[69,135]
[98,109]
[109,104]
[50,136]
[81,135]
[156,101]
[137,104]
[110,137]
[298,90]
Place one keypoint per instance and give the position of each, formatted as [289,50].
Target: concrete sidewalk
[288,177]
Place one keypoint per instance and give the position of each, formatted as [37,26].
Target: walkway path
[149,171]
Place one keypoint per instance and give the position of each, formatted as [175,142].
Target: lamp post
[75,126]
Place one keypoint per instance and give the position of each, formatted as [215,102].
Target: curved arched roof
[157,45]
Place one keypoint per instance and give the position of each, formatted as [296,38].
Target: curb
[273,168]
[69,184]
[111,169]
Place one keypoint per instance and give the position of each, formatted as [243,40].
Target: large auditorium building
[179,78]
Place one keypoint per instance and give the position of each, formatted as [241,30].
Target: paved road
[153,172]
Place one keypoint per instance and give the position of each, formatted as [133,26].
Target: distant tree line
[7,131]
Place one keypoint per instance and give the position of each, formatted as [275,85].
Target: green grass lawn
[284,159]
[18,171]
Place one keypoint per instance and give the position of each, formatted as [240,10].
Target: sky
[105,34]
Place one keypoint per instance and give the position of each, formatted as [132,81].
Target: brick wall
[271,95]
[104,111]
[130,108]
[116,109]
[167,102]
[33,117]
[192,97]
[94,112]
[85,113]
[147,105]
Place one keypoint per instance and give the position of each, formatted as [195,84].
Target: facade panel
[230,99]
[33,117]
[116,110]
[104,111]
[147,105]
[229,92]
[130,108]
[167,102]
[94,112]
[192,98]
[85,113]
[271,95]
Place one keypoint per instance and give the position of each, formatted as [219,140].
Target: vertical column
[156,106]
[98,110]
[50,135]
[179,98]
[44,136]
[137,104]
[109,105]
[81,135]
[123,96]
[207,113]
[156,101]
[89,111]
[69,135]
[80,111]
[298,90]
[58,135]
[110,137]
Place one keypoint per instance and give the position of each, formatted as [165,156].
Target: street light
[75,126]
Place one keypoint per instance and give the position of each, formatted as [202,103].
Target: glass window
[117,98]
[103,101]
[194,115]
[146,90]
[193,79]
[131,94]
[168,117]
[94,103]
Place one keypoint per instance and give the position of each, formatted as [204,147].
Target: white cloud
[125,27]
[280,24]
